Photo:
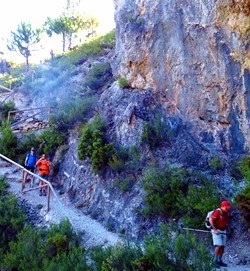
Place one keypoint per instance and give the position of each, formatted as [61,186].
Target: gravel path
[94,232]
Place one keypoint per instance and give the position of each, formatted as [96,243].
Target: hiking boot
[217,264]
[44,193]
[222,264]
[40,193]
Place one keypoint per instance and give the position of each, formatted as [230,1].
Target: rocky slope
[195,57]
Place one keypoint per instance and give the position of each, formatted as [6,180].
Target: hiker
[43,165]
[219,221]
[29,164]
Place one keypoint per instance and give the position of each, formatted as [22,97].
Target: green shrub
[13,80]
[165,191]
[125,159]
[200,198]
[93,47]
[50,140]
[99,76]
[53,249]
[71,112]
[216,163]
[242,199]
[244,167]
[99,255]
[92,144]
[60,238]
[75,260]
[11,217]
[167,251]
[124,183]
[25,252]
[155,132]
[6,107]
[8,141]
[3,186]
[168,194]
[243,203]
[116,163]
[122,82]
[121,257]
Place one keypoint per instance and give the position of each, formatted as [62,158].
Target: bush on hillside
[244,167]
[93,144]
[11,219]
[5,108]
[126,159]
[155,132]
[99,76]
[167,251]
[243,203]
[242,199]
[123,82]
[165,191]
[169,194]
[72,111]
[50,139]
[8,141]
[121,257]
[39,249]
[216,163]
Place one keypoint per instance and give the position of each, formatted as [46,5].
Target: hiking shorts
[220,238]
[30,168]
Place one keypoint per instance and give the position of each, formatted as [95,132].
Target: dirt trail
[94,232]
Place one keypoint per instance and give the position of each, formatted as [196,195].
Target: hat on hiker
[225,203]
[32,149]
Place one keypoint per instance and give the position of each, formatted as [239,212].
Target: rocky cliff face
[187,61]
[195,56]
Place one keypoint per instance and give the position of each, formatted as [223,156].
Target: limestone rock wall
[195,56]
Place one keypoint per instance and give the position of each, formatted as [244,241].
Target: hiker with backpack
[43,165]
[218,220]
[29,164]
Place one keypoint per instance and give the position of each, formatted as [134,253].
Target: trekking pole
[190,229]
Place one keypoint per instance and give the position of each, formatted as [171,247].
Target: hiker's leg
[217,242]
[217,254]
[45,187]
[32,177]
[24,179]
[40,185]
[223,237]
[221,252]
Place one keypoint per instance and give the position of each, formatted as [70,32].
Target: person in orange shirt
[219,221]
[43,165]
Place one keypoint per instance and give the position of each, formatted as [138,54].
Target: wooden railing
[10,92]
[48,184]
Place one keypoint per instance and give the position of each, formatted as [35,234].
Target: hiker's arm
[212,225]
[38,162]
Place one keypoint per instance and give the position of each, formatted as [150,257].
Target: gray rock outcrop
[195,56]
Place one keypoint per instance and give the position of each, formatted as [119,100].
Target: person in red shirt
[219,221]
[43,171]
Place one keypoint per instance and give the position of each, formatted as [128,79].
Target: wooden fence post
[48,200]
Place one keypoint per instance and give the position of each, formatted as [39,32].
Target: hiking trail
[94,233]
